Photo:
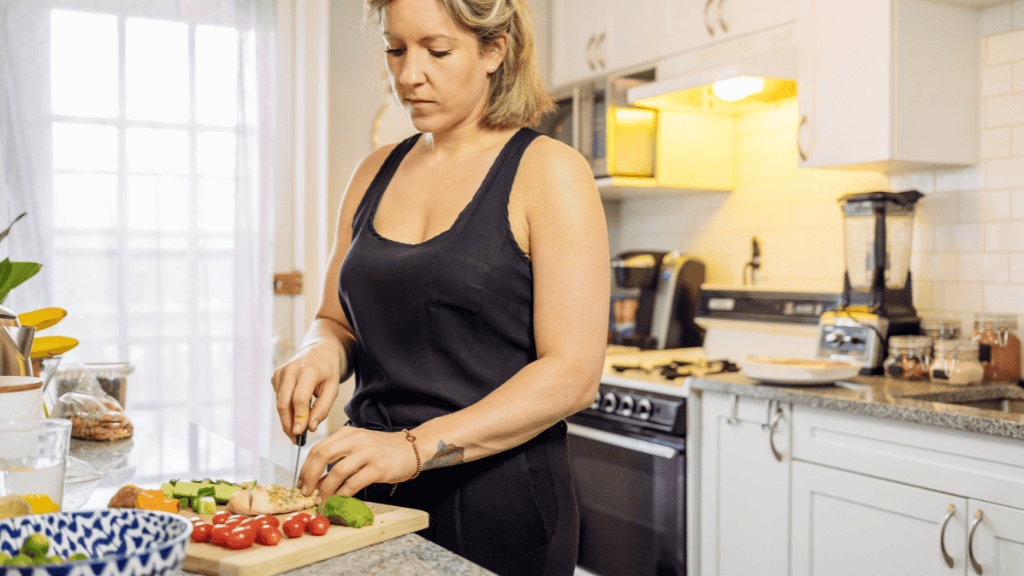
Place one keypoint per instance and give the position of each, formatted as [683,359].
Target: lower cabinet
[744,495]
[851,524]
[783,489]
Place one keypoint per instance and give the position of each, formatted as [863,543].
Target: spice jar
[941,328]
[909,357]
[998,346]
[956,362]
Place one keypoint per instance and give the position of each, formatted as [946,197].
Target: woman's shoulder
[364,174]
[552,165]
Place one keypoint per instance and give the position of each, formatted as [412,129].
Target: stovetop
[661,371]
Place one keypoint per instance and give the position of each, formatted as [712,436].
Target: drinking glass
[33,458]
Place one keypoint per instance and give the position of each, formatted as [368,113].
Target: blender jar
[871,217]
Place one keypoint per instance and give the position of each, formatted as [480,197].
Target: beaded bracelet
[412,440]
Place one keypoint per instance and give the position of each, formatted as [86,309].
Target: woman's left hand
[363,457]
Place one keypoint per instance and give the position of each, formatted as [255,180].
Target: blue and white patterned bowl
[118,541]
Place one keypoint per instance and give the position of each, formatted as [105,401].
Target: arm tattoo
[447,455]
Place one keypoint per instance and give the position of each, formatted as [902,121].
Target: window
[147,112]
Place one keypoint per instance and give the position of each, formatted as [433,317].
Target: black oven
[629,468]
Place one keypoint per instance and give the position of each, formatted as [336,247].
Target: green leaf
[5,271]
[6,232]
[18,273]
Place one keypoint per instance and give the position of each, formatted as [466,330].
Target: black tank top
[442,323]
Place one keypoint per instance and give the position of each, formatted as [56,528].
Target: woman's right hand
[315,370]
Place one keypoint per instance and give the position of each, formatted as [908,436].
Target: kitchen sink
[1012,405]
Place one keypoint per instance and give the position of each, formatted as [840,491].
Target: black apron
[439,325]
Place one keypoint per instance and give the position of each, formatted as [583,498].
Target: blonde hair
[517,96]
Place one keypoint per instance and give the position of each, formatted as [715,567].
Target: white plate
[797,370]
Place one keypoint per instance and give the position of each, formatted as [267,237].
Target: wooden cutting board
[389,522]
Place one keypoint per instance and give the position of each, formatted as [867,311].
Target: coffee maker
[877,298]
[655,300]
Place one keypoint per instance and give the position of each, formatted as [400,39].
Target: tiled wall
[968,253]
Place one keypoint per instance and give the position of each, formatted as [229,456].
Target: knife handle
[300,440]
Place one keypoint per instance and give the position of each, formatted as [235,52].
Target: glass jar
[909,357]
[941,328]
[998,346]
[956,362]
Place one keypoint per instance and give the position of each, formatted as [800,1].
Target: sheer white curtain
[138,136]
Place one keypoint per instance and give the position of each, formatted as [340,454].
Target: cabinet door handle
[942,536]
[597,51]
[799,149]
[590,52]
[771,432]
[707,22]
[733,419]
[978,516]
[721,20]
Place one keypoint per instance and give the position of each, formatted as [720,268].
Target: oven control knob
[597,402]
[626,406]
[832,337]
[643,409]
[609,402]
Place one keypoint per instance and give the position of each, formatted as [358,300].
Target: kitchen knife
[300,441]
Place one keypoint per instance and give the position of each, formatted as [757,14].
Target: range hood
[683,80]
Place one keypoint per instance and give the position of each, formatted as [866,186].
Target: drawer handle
[942,535]
[970,540]
[707,22]
[721,20]
[771,432]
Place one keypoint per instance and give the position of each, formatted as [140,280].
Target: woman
[468,289]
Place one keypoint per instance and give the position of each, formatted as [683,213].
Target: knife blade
[300,441]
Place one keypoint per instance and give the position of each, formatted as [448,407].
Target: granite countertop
[164,448]
[909,401]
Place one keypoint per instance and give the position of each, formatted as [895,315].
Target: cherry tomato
[201,532]
[268,535]
[239,539]
[219,534]
[268,520]
[221,517]
[195,519]
[248,522]
[304,516]
[294,528]
[318,525]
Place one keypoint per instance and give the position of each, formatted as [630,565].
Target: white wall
[968,253]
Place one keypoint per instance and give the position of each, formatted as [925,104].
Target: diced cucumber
[248,484]
[168,489]
[206,505]
[188,489]
[222,492]
[182,502]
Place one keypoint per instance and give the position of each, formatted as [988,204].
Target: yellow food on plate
[799,362]
[41,503]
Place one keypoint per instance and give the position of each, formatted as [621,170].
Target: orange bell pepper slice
[155,500]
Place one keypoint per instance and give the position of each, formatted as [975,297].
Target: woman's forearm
[538,396]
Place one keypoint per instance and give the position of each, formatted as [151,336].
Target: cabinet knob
[707,21]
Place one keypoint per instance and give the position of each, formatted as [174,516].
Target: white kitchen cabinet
[744,468]
[997,545]
[887,84]
[591,37]
[689,24]
[847,524]
[578,30]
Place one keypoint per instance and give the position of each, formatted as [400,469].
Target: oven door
[632,500]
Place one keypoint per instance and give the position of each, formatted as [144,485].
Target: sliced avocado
[168,489]
[346,511]
[187,489]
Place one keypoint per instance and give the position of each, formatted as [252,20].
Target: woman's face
[436,69]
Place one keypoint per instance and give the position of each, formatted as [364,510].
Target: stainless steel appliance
[656,299]
[628,449]
[594,118]
[877,300]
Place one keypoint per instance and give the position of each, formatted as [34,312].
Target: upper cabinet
[887,85]
[689,24]
[590,37]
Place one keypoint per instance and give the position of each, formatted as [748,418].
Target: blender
[877,298]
